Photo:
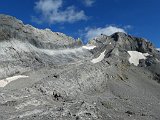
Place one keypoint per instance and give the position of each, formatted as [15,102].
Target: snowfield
[99,59]
[89,47]
[6,81]
[136,56]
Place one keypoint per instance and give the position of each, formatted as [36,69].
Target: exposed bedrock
[47,75]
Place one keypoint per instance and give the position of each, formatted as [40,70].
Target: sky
[87,19]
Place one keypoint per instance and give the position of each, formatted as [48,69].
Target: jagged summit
[48,75]
[125,41]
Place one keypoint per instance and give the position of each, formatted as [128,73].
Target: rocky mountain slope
[47,75]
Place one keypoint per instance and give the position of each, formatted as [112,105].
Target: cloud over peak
[108,30]
[52,11]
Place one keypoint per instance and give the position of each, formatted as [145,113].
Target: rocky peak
[10,21]
[126,42]
[122,46]
[11,28]
[118,36]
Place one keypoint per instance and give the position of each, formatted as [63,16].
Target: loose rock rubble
[63,83]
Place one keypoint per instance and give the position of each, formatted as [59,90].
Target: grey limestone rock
[47,75]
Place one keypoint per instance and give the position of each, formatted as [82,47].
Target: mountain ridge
[46,75]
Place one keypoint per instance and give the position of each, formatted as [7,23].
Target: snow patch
[158,49]
[6,81]
[146,54]
[136,56]
[100,58]
[89,47]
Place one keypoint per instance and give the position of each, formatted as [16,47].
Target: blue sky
[88,18]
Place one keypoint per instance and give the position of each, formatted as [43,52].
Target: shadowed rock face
[63,80]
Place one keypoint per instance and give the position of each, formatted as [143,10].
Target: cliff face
[119,44]
[47,75]
[46,39]
[23,47]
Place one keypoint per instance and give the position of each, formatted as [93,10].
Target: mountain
[24,47]
[47,75]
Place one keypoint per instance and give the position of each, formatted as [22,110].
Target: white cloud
[52,11]
[158,49]
[127,27]
[108,30]
[88,2]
